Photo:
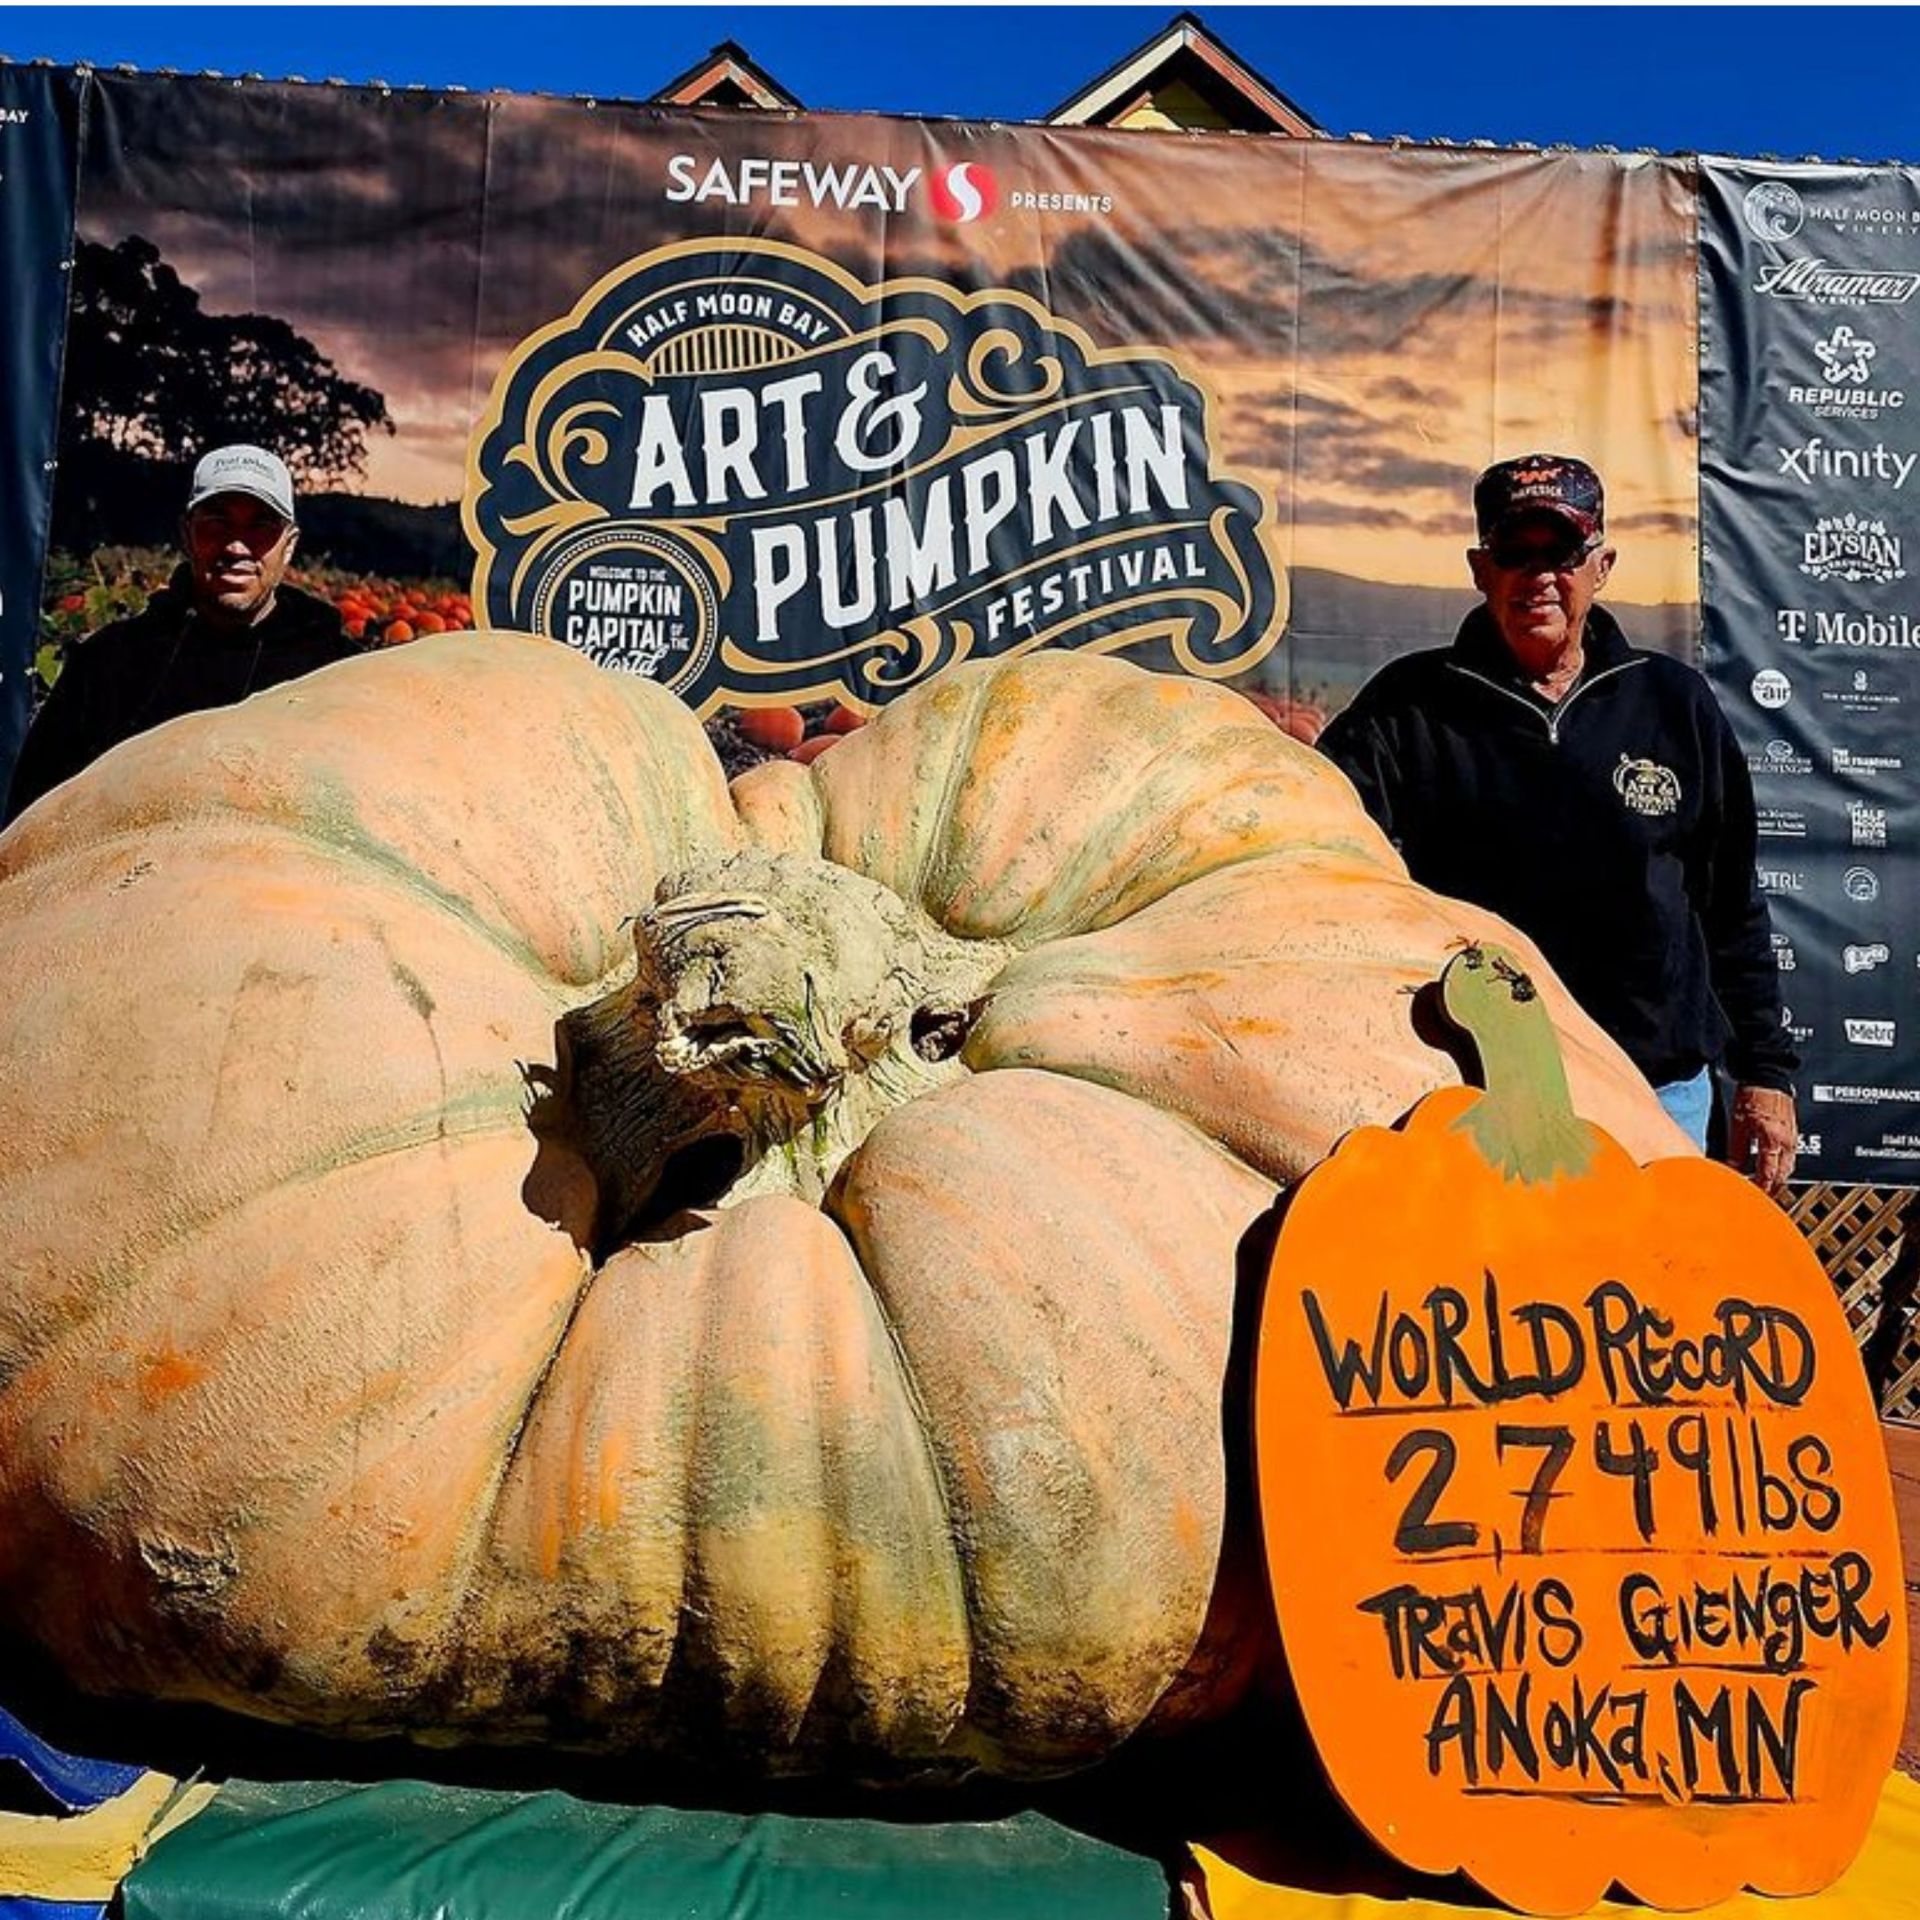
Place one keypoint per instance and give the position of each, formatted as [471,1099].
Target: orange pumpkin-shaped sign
[1576,1507]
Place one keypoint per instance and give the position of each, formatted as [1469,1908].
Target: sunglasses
[1512,555]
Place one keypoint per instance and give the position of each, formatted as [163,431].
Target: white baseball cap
[250,470]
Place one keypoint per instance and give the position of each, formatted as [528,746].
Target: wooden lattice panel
[1860,1236]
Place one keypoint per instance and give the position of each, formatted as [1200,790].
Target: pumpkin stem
[1524,1122]
[781,1005]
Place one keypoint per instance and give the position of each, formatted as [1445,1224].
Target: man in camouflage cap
[1594,795]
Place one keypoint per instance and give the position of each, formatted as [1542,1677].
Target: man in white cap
[226,625]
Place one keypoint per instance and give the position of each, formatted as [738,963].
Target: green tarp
[401,1850]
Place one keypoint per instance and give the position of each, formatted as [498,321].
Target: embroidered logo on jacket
[1646,786]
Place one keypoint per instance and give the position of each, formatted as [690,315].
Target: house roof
[729,76]
[1185,75]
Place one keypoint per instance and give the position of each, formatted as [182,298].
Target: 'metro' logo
[735,469]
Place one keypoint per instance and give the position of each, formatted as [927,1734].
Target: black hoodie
[162,662]
[1617,829]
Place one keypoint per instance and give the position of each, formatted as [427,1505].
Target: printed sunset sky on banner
[1376,324]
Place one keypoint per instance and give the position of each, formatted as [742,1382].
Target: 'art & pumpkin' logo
[737,470]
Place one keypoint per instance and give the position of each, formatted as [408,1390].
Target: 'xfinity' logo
[1816,460]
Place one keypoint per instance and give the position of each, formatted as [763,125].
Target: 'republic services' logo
[1849,546]
[739,471]
[1843,389]
[1846,357]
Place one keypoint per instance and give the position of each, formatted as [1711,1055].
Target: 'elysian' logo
[735,469]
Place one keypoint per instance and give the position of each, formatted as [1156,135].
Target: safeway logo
[788,183]
[963,192]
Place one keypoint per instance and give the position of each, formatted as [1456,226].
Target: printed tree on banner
[153,379]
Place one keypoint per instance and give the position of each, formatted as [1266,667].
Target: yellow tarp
[85,1856]
[1883,1884]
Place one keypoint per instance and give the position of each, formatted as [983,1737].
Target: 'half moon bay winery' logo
[736,470]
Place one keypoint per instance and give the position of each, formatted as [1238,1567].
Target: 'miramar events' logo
[735,469]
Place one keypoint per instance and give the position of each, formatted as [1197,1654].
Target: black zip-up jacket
[1616,828]
[160,663]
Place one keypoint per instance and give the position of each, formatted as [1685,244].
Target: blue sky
[1836,82]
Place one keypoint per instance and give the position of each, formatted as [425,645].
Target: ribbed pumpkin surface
[327,1392]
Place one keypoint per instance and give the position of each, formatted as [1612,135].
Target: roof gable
[1185,76]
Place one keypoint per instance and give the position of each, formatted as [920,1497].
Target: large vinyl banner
[782,411]
[38,147]
[790,412]
[1810,550]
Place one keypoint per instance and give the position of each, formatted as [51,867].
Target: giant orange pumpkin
[502,1238]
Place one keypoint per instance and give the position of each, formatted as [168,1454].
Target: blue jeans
[1690,1102]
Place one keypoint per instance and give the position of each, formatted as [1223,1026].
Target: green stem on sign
[1523,1122]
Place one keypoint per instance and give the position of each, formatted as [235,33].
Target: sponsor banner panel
[1810,555]
[789,410]
[39,116]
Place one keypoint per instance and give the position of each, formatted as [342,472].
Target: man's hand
[1763,1137]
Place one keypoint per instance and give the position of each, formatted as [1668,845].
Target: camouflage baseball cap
[1553,483]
